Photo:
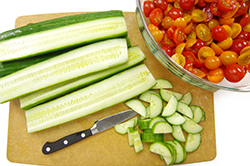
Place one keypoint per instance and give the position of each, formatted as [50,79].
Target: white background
[232,110]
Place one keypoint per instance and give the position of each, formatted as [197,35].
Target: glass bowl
[176,69]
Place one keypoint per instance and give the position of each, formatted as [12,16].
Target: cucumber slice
[162,83]
[178,134]
[145,96]
[137,106]
[187,98]
[132,134]
[108,92]
[191,127]
[161,149]
[176,119]
[166,95]
[198,113]
[151,137]
[135,56]
[64,67]
[138,146]
[144,123]
[147,131]
[193,142]
[156,119]
[181,152]
[122,128]
[171,107]
[184,109]
[162,127]
[147,113]
[170,160]
[156,105]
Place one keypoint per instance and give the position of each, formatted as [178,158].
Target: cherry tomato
[234,73]
[212,62]
[244,58]
[188,28]
[152,27]
[236,29]
[180,47]
[231,13]
[175,13]
[156,16]
[243,7]
[170,31]
[180,22]
[244,35]
[148,6]
[198,72]
[186,4]
[228,58]
[162,4]
[216,75]
[228,29]
[189,55]
[238,45]
[167,22]
[225,44]
[212,23]
[209,14]
[226,21]
[219,33]
[166,41]
[178,36]
[179,58]
[214,9]
[216,48]
[197,46]
[245,20]
[189,66]
[158,35]
[198,15]
[203,32]
[205,52]
[201,3]
[190,43]
[226,5]
[168,50]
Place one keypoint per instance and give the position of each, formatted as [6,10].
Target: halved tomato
[178,36]
[226,5]
[203,32]
[155,16]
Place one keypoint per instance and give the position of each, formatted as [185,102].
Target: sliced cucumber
[181,152]
[161,149]
[60,33]
[167,94]
[176,119]
[134,139]
[122,128]
[171,107]
[138,146]
[187,98]
[144,123]
[137,106]
[178,134]
[191,127]
[151,137]
[162,127]
[193,142]
[156,119]
[198,113]
[96,97]
[135,56]
[147,131]
[156,105]
[162,84]
[170,160]
[145,96]
[184,109]
[70,65]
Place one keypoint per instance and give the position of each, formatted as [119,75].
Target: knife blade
[99,126]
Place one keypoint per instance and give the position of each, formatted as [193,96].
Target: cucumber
[178,134]
[96,97]
[147,112]
[166,95]
[122,128]
[135,56]
[170,160]
[151,137]
[171,107]
[156,119]
[181,152]
[176,119]
[146,95]
[187,98]
[162,127]
[137,106]
[193,142]
[191,127]
[160,148]
[162,84]
[156,105]
[73,64]
[184,109]
[134,139]
[61,33]
[198,113]
[144,123]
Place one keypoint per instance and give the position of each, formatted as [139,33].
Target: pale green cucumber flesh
[146,95]
[156,105]
[178,134]
[191,127]
[156,119]
[171,107]
[170,160]
[198,113]
[193,142]
[181,152]
[62,37]
[160,148]
[162,127]
[137,106]
[96,97]
[73,64]
[122,128]
[135,56]
[184,109]
[132,134]
[176,119]
[187,98]
[166,94]
[162,83]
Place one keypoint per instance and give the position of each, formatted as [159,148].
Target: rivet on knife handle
[50,147]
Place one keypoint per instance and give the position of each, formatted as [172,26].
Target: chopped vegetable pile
[210,38]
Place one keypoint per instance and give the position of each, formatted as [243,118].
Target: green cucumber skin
[57,22]
[68,86]
[37,113]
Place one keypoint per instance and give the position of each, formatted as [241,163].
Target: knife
[99,126]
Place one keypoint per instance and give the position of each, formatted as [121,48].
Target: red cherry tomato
[244,35]
[156,16]
[201,3]
[175,13]
[148,6]
[214,9]
[209,14]
[219,33]
[199,43]
[170,31]
[189,55]
[162,4]
[234,73]
[189,65]
[238,45]
[178,36]
[226,5]
[243,7]
[186,4]
[168,50]
[245,20]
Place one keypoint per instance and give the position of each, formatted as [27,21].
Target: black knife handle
[50,147]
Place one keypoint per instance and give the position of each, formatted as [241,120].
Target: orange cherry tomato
[228,29]
[216,75]
[247,28]
[205,52]
[236,29]
[152,27]
[244,59]
[190,42]
[198,73]
[212,62]
[225,44]
[167,22]
[226,21]
[179,58]
[187,17]
[216,48]
[158,35]
[245,49]
[228,57]
[180,22]
[231,13]
[188,28]
[212,23]
[180,48]
[203,32]
[191,35]
[198,15]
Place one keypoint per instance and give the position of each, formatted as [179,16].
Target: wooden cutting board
[106,148]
